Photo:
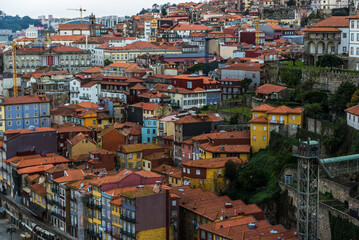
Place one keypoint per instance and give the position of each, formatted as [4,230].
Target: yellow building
[172,175]
[116,217]
[38,194]
[135,49]
[94,206]
[154,27]
[207,174]
[208,150]
[80,144]
[130,156]
[266,118]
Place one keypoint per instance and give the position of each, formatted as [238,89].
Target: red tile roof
[225,148]
[35,169]
[66,37]
[212,162]
[191,27]
[28,131]
[74,27]
[71,175]
[25,99]
[322,29]
[35,160]
[199,118]
[258,120]
[38,188]
[269,88]
[146,106]
[263,108]
[333,22]
[353,110]
[79,137]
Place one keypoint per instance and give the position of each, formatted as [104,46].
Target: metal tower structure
[308,189]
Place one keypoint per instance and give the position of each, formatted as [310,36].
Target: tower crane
[78,9]
[14,72]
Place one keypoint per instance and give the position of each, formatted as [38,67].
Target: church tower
[92,21]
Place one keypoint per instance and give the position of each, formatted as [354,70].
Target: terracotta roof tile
[353,110]
[25,99]
[225,148]
[80,136]
[212,162]
[71,175]
[263,108]
[139,147]
[35,169]
[258,120]
[269,88]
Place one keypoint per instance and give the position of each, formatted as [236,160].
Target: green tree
[313,110]
[291,3]
[231,170]
[107,62]
[354,100]
[292,56]
[164,12]
[342,96]
[245,83]
[234,119]
[291,77]
[330,60]
[251,178]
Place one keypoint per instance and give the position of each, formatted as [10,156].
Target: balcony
[54,202]
[128,219]
[129,234]
[54,190]
[84,97]
[93,233]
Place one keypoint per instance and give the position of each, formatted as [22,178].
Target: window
[148,165]
[9,123]
[35,106]
[264,138]
[351,51]
[352,37]
[26,106]
[288,179]
[220,172]
[203,234]
[188,171]
[189,84]
[357,50]
[17,115]
[184,170]
[357,24]
[18,122]
[344,35]
[352,24]
[265,128]
[93,121]
[148,131]
[138,155]
[8,108]
[254,127]
[344,49]
[255,115]
[17,107]
[198,172]
[130,156]
[293,117]
[35,114]
[174,213]
[201,182]
[174,203]
[254,137]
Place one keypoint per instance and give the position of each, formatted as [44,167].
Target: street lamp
[10,230]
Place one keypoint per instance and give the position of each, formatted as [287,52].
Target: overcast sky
[57,8]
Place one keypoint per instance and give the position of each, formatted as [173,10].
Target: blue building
[149,130]
[213,96]
[22,112]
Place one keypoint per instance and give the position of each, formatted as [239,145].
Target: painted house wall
[149,130]
[21,116]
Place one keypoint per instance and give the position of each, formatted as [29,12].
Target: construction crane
[14,72]
[78,9]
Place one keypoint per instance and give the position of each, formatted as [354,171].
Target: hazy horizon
[37,8]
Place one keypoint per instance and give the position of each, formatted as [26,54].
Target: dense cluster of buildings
[113,134]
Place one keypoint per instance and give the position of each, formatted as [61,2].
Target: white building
[353,117]
[354,43]
[147,29]
[89,92]
[31,32]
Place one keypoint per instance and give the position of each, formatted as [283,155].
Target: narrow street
[4,224]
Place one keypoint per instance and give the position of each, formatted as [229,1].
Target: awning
[2,209]
[36,209]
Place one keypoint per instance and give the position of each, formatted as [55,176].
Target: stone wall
[227,116]
[237,127]
[324,209]
[339,192]
[316,126]
[324,80]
